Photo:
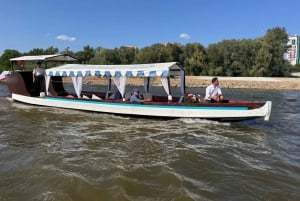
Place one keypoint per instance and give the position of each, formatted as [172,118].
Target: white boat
[162,106]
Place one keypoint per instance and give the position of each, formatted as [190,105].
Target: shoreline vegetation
[226,82]
[240,64]
[258,57]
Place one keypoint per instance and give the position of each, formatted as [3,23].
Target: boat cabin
[21,81]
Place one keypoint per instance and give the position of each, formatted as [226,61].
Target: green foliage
[85,55]
[295,68]
[195,58]
[40,51]
[125,55]
[4,59]
[275,40]
[153,54]
[258,57]
[248,57]
[104,56]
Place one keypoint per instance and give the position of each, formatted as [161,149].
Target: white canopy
[118,74]
[53,57]
[139,70]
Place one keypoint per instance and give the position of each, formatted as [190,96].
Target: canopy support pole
[147,84]
[109,83]
[182,82]
[108,87]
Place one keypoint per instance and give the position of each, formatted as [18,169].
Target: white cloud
[185,36]
[65,38]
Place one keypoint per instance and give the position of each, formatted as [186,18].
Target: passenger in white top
[38,76]
[213,92]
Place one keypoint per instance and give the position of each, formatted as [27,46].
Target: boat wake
[203,121]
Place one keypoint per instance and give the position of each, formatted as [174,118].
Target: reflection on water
[54,154]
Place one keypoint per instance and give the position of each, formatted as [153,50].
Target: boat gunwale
[232,103]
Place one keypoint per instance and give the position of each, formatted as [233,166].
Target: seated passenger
[213,92]
[135,97]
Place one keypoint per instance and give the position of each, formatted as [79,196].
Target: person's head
[215,81]
[38,63]
[136,91]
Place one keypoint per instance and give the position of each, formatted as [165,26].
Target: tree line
[262,56]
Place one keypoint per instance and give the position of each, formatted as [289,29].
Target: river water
[53,154]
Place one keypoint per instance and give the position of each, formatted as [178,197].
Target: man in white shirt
[38,76]
[213,92]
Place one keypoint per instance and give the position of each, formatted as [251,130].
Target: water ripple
[54,154]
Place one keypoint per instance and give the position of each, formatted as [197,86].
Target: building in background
[293,51]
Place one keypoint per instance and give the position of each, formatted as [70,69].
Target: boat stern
[268,108]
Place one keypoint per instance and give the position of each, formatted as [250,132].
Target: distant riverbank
[226,82]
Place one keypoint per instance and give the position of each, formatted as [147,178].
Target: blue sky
[28,24]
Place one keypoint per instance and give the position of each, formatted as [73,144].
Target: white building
[293,51]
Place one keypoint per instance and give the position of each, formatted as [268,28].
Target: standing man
[38,76]
[213,92]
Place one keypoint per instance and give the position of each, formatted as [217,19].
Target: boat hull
[220,112]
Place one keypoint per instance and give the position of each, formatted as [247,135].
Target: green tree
[158,53]
[172,52]
[247,57]
[40,51]
[295,68]
[51,50]
[258,57]
[275,40]
[35,51]
[195,58]
[4,59]
[125,55]
[243,58]
[214,55]
[86,54]
[152,54]
[262,62]
[225,55]
[104,56]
